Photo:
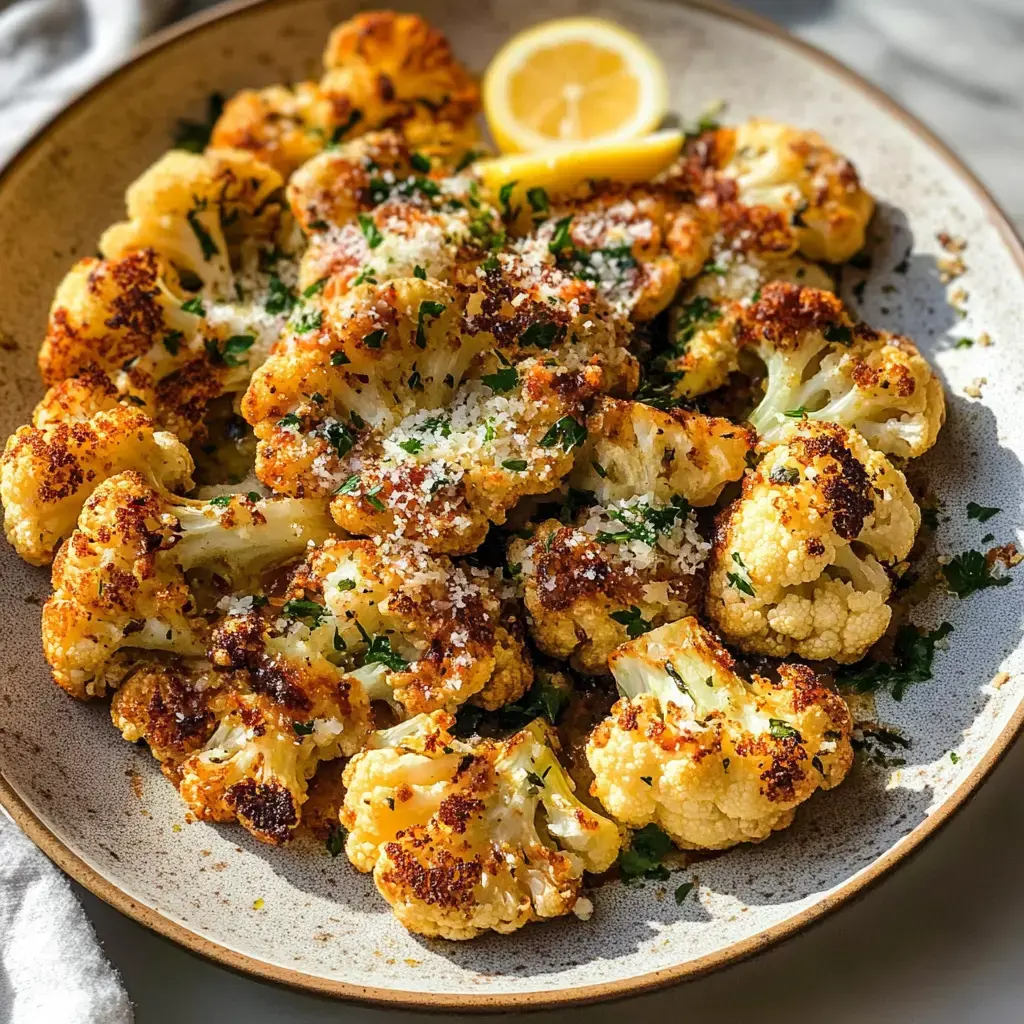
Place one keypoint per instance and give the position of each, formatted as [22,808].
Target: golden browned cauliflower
[634,449]
[376,209]
[197,212]
[242,739]
[753,246]
[633,557]
[634,243]
[463,839]
[382,70]
[797,173]
[712,759]
[414,629]
[119,581]
[373,405]
[799,560]
[822,366]
[617,570]
[80,434]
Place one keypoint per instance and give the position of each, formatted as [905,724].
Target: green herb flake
[913,655]
[419,272]
[315,288]
[413,446]
[683,891]
[339,359]
[374,338]
[303,728]
[369,229]
[515,465]
[379,652]
[781,730]
[567,433]
[503,381]
[636,625]
[172,341]
[561,238]
[308,320]
[299,608]
[980,512]
[643,857]
[970,572]
[194,306]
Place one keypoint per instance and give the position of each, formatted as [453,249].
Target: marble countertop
[938,942]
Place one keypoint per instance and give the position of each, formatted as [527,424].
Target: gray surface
[940,940]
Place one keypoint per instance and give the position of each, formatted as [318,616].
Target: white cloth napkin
[50,50]
[52,970]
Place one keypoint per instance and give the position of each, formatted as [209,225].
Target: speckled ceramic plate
[100,808]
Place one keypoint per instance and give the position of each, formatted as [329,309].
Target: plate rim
[77,868]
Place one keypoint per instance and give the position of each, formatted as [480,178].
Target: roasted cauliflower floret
[119,581]
[397,70]
[466,839]
[823,366]
[80,435]
[618,570]
[169,352]
[633,449]
[710,758]
[796,172]
[197,210]
[753,246]
[635,244]
[374,406]
[376,209]
[799,560]
[414,630]
[168,706]
[382,70]
[283,126]
[275,723]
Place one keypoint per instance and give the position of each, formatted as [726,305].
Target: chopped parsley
[502,381]
[315,288]
[644,522]
[289,420]
[299,608]
[374,338]
[339,437]
[682,891]
[740,582]
[964,343]
[350,486]
[221,501]
[370,232]
[700,310]
[839,334]
[203,237]
[194,306]
[561,239]
[796,414]
[339,359]
[303,728]
[429,310]
[537,197]
[413,446]
[543,334]
[308,320]
[419,272]
[235,348]
[280,298]
[980,512]
[913,653]
[781,730]
[636,625]
[172,341]
[970,572]
[643,857]
[515,465]
[505,197]
[420,163]
[567,433]
[542,700]
[379,652]
[335,840]
[466,159]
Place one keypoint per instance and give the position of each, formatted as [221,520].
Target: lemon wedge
[573,80]
[560,169]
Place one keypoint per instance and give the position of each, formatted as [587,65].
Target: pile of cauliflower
[482,483]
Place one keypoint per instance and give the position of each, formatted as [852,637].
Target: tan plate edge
[87,876]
